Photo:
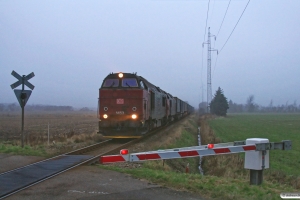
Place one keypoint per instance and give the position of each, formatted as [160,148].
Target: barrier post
[256,161]
[187,168]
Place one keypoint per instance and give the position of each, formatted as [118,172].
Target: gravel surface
[9,162]
[91,182]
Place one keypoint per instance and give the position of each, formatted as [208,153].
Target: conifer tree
[219,104]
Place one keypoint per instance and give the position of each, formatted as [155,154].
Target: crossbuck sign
[22,95]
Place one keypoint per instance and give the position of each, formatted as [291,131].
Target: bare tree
[202,108]
[270,108]
[271,104]
[295,105]
[250,103]
[2,107]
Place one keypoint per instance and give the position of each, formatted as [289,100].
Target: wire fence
[38,130]
[199,144]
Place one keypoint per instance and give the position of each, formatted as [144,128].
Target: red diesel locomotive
[129,106]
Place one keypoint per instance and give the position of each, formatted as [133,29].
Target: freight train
[130,106]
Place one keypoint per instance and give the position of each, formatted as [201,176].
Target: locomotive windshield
[111,83]
[129,82]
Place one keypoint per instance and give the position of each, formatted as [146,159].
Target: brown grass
[162,140]
[73,143]
[62,126]
[221,165]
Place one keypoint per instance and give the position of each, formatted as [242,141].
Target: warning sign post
[22,95]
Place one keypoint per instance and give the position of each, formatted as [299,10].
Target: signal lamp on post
[120,75]
[124,152]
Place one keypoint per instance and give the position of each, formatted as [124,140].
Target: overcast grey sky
[72,45]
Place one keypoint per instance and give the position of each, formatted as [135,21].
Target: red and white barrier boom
[204,150]
[256,158]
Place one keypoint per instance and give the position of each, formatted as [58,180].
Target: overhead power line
[223,18]
[235,26]
[212,13]
[218,34]
[215,66]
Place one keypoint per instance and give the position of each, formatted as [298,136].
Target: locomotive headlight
[120,75]
[105,116]
[133,116]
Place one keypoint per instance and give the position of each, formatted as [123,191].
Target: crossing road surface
[90,182]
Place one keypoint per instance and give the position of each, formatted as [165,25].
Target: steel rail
[69,153]
[88,148]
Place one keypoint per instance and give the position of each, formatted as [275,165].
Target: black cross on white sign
[22,80]
[22,95]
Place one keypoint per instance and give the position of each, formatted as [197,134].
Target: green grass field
[26,151]
[275,127]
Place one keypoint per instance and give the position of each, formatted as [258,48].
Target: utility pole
[209,49]
[202,91]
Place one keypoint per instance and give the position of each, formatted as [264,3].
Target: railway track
[21,178]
